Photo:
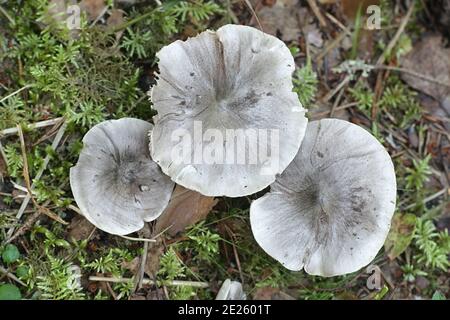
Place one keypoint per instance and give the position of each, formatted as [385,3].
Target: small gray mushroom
[237,80]
[231,290]
[330,211]
[115,183]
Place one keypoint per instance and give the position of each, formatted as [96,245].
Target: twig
[16,92]
[336,101]
[317,13]
[429,198]
[76,209]
[175,283]
[102,13]
[36,125]
[236,256]
[138,239]
[343,107]
[20,188]
[111,291]
[140,276]
[27,199]
[330,47]
[11,276]
[413,73]
[397,35]
[6,14]
[253,12]
[337,89]
[26,176]
[338,23]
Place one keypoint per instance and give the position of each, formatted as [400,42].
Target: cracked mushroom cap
[237,78]
[330,211]
[115,183]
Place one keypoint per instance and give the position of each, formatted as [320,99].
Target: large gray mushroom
[115,183]
[330,211]
[213,87]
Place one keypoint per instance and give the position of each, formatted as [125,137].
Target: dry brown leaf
[283,19]
[185,208]
[132,265]
[153,255]
[313,35]
[350,7]
[93,8]
[270,293]
[115,18]
[431,59]
[80,228]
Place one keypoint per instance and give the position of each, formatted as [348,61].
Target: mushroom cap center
[129,172]
[318,197]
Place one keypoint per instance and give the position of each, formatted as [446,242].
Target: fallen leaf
[270,293]
[132,265]
[350,7]
[400,235]
[313,35]
[283,19]
[431,59]
[154,253]
[93,8]
[80,228]
[115,18]
[185,208]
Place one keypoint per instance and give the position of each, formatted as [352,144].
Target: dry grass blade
[250,7]
[27,199]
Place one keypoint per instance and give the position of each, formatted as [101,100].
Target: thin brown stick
[397,35]
[337,101]
[253,12]
[325,113]
[175,283]
[40,124]
[11,276]
[15,92]
[39,174]
[331,94]
[26,177]
[334,43]
[338,23]
[316,10]
[413,73]
[140,276]
[429,198]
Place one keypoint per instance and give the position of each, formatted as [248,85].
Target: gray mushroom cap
[235,78]
[330,211]
[231,290]
[115,183]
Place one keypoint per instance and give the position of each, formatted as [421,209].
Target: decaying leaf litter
[387,90]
